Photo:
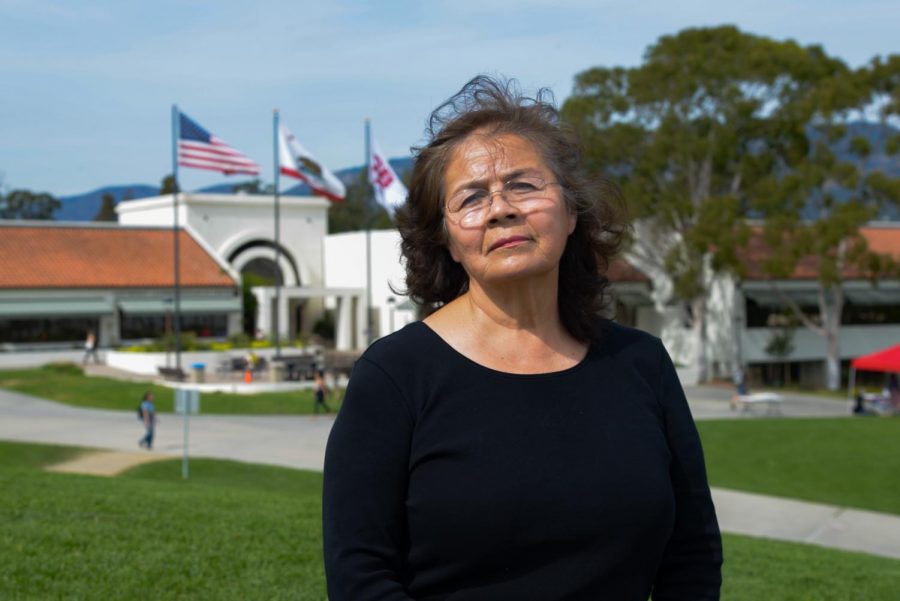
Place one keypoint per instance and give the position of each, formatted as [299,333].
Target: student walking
[90,348]
[321,391]
[148,414]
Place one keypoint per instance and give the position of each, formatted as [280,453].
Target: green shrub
[69,369]
[136,348]
[324,327]
[189,342]
[239,340]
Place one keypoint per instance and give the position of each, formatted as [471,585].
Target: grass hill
[241,531]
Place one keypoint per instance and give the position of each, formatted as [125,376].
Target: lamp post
[391,301]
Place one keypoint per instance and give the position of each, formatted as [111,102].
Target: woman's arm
[691,568]
[366,474]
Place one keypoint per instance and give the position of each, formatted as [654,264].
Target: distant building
[60,280]
[240,230]
[745,316]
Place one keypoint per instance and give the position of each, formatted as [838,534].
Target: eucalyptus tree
[681,133]
[815,202]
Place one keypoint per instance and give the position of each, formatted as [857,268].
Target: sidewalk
[299,442]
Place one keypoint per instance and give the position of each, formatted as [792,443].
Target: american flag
[200,149]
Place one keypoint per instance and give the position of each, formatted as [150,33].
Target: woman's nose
[503,208]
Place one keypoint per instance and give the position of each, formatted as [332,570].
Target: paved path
[299,442]
[289,441]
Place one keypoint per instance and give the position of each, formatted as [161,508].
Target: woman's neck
[515,328]
[527,306]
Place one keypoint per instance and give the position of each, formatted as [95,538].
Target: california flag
[296,161]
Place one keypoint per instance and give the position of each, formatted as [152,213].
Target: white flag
[296,161]
[389,190]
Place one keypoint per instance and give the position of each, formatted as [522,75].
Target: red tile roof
[621,270]
[69,256]
[881,239]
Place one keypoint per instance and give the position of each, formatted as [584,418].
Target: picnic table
[746,402]
[298,367]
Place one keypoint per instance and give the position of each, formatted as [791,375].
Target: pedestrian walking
[148,415]
[322,391]
[90,348]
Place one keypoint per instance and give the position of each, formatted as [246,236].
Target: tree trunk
[831,305]
[698,308]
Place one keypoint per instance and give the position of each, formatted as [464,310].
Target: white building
[240,229]
[358,278]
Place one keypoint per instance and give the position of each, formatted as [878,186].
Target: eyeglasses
[470,207]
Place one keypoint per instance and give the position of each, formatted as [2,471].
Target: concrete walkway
[299,442]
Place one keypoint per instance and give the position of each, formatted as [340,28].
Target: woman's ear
[453,254]
[448,244]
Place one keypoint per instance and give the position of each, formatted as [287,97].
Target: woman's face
[512,241]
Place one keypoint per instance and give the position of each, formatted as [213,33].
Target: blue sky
[87,86]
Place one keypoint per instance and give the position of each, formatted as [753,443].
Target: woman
[514,445]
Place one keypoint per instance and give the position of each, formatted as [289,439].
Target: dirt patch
[105,463]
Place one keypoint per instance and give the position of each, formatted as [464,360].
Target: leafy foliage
[24,204]
[167,185]
[255,186]
[716,126]
[358,210]
[840,190]
[107,210]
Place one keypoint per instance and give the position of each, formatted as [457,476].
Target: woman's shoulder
[627,346]
[405,347]
[616,338]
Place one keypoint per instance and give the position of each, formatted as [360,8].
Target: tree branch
[793,306]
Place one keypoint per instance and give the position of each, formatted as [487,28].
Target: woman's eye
[470,199]
[523,185]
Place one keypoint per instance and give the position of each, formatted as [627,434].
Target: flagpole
[177,291]
[277,237]
[369,333]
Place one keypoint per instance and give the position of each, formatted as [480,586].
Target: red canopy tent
[887,360]
[884,360]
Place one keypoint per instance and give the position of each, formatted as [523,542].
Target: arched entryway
[255,261]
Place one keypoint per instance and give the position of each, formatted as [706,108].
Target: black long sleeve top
[446,480]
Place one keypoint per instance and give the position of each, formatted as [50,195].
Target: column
[343,324]
[263,309]
[283,324]
[361,341]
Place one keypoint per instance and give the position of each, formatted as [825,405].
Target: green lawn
[232,532]
[765,570]
[239,531]
[851,462]
[67,384]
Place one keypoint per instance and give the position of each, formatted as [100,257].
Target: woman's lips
[507,242]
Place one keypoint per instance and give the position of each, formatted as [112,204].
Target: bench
[298,367]
[340,362]
[172,373]
[771,400]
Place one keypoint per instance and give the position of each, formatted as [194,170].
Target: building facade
[61,280]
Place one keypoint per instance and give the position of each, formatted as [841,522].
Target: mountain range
[83,207]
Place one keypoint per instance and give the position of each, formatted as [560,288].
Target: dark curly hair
[498,107]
